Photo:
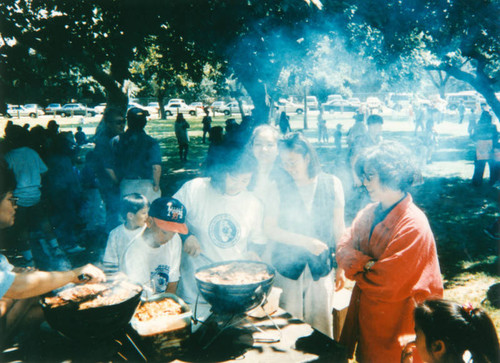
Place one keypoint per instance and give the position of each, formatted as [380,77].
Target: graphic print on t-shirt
[224,231]
[159,278]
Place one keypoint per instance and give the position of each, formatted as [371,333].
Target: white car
[33,108]
[332,98]
[198,106]
[100,108]
[174,108]
[153,107]
[374,103]
[354,101]
[75,109]
[287,106]
[312,102]
[52,108]
[233,107]
[18,111]
[217,105]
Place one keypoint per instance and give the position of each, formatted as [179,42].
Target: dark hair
[460,328]
[374,119]
[393,163]
[485,118]
[7,179]
[234,162]
[16,137]
[132,203]
[297,143]
[136,119]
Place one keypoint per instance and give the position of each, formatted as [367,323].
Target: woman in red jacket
[391,254]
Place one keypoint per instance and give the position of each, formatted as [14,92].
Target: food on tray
[235,273]
[93,295]
[154,309]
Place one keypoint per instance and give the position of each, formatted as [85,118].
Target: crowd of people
[263,196]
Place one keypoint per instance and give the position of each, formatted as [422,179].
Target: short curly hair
[393,162]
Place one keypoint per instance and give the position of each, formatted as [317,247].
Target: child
[80,137]
[153,259]
[447,331]
[134,210]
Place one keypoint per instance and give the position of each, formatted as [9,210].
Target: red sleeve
[348,255]
[408,263]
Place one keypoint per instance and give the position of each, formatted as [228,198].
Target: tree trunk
[257,92]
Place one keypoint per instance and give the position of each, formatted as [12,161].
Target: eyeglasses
[13,201]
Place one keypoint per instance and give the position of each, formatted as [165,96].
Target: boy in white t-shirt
[134,210]
[153,259]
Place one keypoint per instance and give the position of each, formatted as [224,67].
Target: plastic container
[163,324]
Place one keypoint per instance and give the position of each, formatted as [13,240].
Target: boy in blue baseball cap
[153,259]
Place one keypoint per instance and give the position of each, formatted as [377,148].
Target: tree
[459,37]
[254,39]
[100,37]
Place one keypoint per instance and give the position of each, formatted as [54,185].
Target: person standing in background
[137,158]
[284,123]
[337,135]
[461,111]
[207,123]
[111,125]
[486,136]
[181,133]
[80,137]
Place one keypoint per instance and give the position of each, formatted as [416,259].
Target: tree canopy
[337,45]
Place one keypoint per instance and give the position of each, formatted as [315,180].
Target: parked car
[174,108]
[198,106]
[153,108]
[334,98]
[99,109]
[233,107]
[217,105]
[75,109]
[18,111]
[289,106]
[175,100]
[399,101]
[52,108]
[34,108]
[374,103]
[339,106]
[354,101]
[312,102]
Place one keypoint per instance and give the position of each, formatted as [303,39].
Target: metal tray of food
[151,317]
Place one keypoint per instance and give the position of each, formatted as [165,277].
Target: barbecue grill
[230,302]
[237,298]
[94,322]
